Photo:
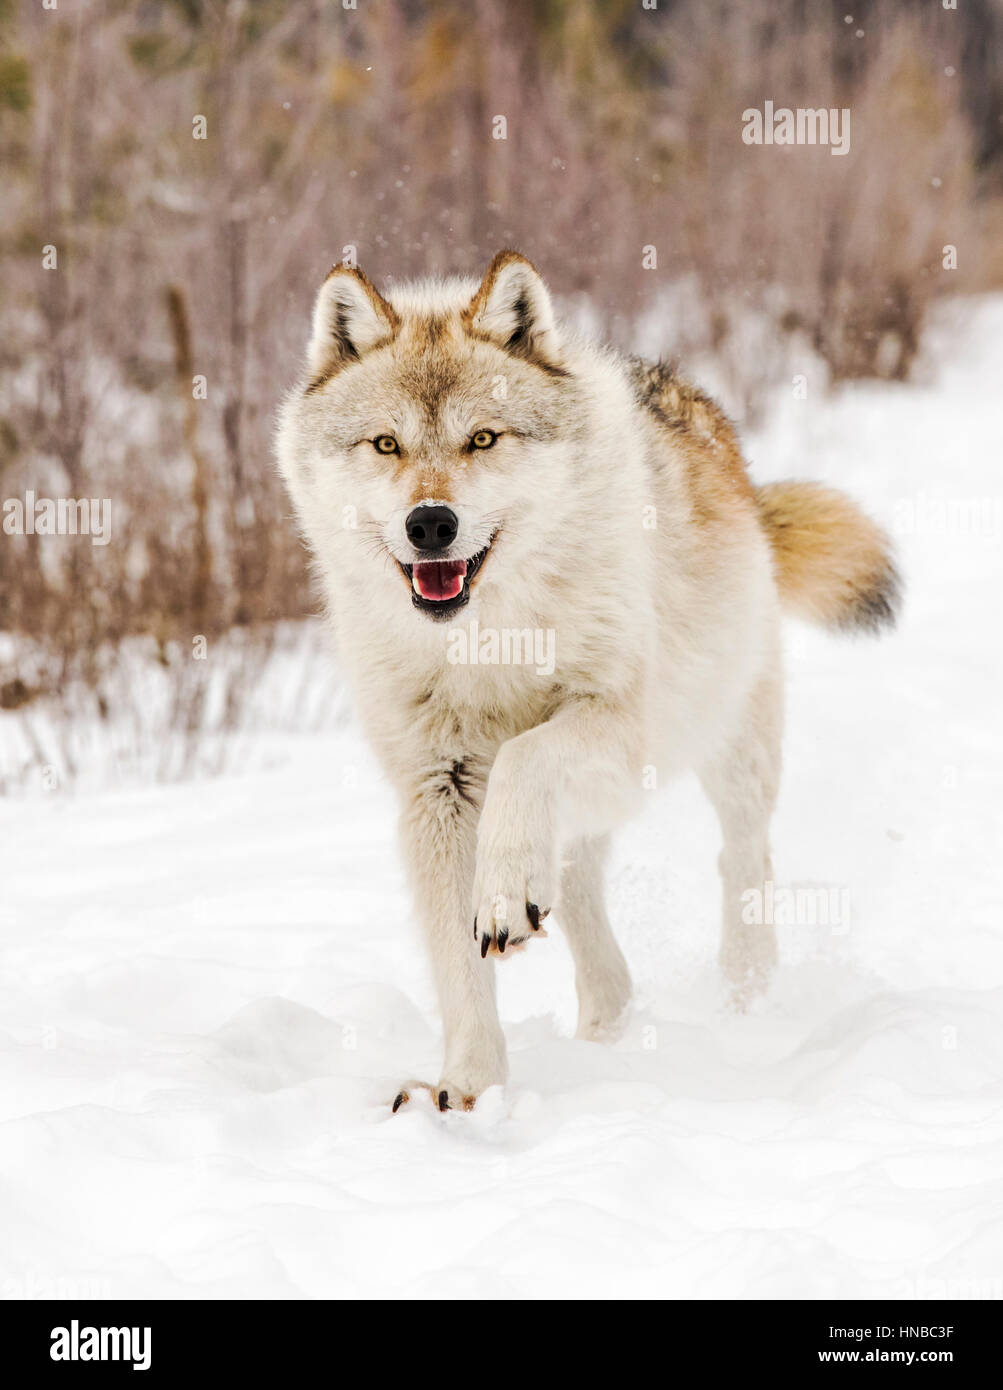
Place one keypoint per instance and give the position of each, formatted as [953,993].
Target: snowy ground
[200,1027]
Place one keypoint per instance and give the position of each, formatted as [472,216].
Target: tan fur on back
[703,440]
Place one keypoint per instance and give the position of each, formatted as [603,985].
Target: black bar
[323,1338]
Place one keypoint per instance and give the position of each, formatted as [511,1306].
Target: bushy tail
[834,565]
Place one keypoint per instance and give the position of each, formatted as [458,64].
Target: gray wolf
[455,455]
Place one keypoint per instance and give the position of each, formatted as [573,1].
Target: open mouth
[440,587]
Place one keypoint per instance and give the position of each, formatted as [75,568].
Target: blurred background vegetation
[373,128]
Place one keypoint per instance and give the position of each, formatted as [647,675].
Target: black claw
[443,1100]
[485,943]
[398,1103]
[475,928]
[533,913]
[502,939]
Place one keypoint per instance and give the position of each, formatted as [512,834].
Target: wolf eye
[483,439]
[386,444]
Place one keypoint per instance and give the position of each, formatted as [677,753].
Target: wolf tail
[833,565]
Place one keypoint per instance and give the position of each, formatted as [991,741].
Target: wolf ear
[349,317]
[513,309]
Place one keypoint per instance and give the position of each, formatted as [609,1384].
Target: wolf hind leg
[602,980]
[742,782]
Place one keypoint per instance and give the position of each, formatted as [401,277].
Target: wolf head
[431,448]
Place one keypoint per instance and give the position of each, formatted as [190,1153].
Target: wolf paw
[747,962]
[603,1003]
[444,1096]
[501,935]
[512,898]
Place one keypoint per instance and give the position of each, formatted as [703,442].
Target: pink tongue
[440,579]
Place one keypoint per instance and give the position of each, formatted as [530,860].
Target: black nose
[431,528]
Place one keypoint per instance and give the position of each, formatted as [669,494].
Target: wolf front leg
[579,773]
[439,828]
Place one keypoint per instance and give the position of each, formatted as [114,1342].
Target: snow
[214,987]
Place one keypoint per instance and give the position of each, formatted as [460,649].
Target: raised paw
[504,936]
[516,869]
